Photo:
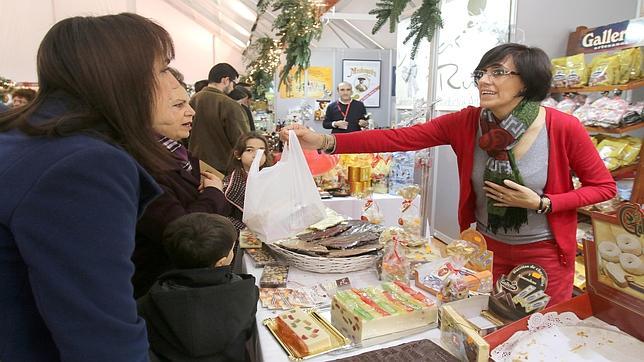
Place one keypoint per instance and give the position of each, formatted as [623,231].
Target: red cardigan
[570,149]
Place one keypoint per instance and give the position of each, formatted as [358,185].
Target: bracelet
[329,144]
[325,143]
[547,208]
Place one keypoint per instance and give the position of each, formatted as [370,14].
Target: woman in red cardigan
[515,160]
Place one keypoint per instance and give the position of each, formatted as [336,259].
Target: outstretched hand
[308,138]
[512,195]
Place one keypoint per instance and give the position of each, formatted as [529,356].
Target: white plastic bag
[282,200]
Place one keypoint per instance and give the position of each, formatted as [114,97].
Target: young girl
[241,158]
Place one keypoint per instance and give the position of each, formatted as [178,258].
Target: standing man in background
[243,96]
[218,120]
[346,114]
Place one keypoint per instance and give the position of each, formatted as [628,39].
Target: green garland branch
[424,21]
[297,25]
[388,10]
[265,57]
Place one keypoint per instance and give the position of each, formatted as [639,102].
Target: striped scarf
[178,151]
[498,139]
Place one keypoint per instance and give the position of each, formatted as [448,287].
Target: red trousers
[560,271]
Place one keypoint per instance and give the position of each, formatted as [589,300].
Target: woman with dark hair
[514,162]
[186,189]
[73,185]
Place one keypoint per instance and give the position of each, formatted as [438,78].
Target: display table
[268,349]
[352,207]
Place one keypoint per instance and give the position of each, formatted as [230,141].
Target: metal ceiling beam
[361,37]
[217,13]
[331,27]
[206,22]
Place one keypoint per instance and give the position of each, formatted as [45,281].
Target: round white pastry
[631,264]
[629,244]
[609,251]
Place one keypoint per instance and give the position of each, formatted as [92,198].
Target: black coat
[249,114]
[202,315]
[181,196]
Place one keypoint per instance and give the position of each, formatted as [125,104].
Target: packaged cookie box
[460,332]
[615,268]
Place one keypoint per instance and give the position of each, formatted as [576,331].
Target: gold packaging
[356,187]
[354,173]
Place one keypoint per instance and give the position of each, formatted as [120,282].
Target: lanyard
[344,114]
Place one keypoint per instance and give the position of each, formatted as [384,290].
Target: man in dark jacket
[200,311]
[346,114]
[243,96]
[218,120]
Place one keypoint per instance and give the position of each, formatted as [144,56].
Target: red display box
[621,306]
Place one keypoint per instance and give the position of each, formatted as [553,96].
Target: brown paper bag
[206,167]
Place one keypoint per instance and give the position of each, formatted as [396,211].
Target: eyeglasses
[494,73]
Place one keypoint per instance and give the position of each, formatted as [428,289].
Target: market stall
[364,252]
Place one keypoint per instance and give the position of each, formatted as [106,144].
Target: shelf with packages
[624,171]
[576,47]
[600,88]
[619,130]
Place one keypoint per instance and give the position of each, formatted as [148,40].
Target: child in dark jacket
[200,311]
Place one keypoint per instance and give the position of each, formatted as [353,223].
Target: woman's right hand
[210,180]
[308,138]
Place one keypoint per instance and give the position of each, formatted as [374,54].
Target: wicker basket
[320,264]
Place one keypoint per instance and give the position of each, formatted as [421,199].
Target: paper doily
[539,322]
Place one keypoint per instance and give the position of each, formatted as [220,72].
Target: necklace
[344,114]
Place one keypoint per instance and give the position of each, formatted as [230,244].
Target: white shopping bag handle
[254,167]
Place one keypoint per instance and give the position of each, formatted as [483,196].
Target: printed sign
[364,77]
[625,34]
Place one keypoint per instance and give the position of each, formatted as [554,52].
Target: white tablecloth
[269,350]
[352,207]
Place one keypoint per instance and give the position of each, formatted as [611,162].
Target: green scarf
[498,139]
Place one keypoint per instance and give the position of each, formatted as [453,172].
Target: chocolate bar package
[274,276]
[261,256]
[423,350]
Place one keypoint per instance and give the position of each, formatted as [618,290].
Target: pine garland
[388,10]
[297,25]
[265,57]
[424,23]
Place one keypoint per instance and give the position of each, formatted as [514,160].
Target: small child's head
[245,149]
[200,240]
